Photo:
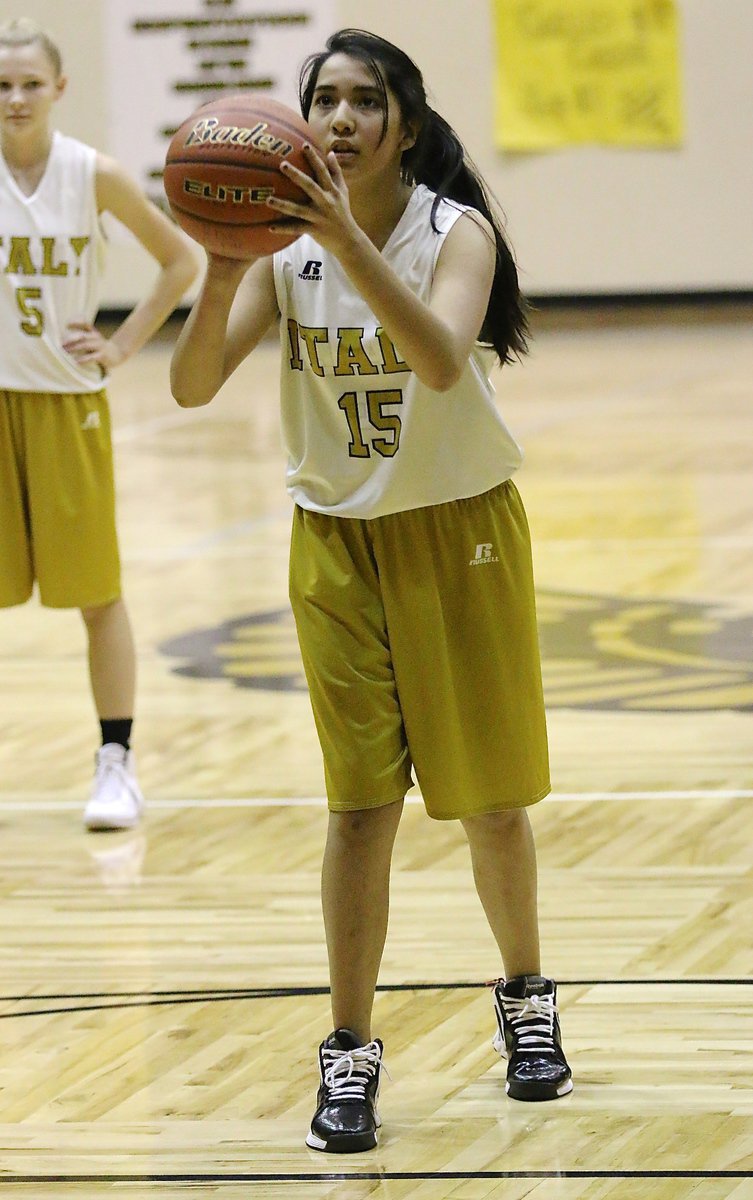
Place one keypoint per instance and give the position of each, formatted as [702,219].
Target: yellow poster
[574,71]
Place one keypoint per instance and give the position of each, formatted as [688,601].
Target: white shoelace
[347,1073]
[112,761]
[538,1013]
[107,768]
[114,783]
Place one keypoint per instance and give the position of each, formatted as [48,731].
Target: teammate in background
[410,574]
[57,505]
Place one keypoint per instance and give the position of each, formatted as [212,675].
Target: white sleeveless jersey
[50,246]
[364,436]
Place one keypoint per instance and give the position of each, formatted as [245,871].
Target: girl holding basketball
[410,573]
[57,518]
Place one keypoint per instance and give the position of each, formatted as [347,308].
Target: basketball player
[410,572]
[57,517]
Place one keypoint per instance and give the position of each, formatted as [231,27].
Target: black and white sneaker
[346,1118]
[529,1037]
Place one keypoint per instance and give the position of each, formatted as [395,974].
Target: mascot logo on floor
[599,652]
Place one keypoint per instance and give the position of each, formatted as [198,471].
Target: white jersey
[50,246]
[364,435]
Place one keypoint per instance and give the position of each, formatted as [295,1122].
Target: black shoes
[346,1119]
[529,1036]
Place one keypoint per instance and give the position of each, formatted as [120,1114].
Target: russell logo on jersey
[312,270]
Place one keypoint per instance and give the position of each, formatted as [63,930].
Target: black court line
[362,1176]
[118,1000]
[150,1002]
[439,986]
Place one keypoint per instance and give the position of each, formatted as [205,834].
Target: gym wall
[584,221]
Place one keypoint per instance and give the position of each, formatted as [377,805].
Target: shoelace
[108,768]
[111,777]
[347,1073]
[111,761]
[532,1019]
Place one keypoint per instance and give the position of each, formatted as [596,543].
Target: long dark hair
[439,160]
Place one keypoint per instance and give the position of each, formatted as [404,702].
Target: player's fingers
[320,165]
[307,185]
[83,341]
[291,208]
[290,222]
[285,228]
[335,170]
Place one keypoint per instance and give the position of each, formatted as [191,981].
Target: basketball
[222,166]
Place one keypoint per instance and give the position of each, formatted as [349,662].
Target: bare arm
[118,194]
[435,339]
[235,308]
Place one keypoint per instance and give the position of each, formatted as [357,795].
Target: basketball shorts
[57,500]
[419,642]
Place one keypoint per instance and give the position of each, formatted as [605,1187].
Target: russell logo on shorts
[484,554]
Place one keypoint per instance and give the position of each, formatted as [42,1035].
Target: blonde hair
[23,32]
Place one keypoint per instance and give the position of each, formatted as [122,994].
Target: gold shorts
[419,641]
[57,500]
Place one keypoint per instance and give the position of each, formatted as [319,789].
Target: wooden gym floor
[164,991]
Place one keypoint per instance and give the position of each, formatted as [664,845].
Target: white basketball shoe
[115,801]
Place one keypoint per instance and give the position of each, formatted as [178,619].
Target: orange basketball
[223,164]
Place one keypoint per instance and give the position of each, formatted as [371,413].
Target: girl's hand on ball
[224,162]
[326,213]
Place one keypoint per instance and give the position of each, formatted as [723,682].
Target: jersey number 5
[384,422]
[32,316]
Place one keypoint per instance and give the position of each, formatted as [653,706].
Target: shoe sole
[98,820]
[342,1144]
[536,1092]
[95,825]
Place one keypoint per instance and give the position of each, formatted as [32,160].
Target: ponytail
[439,160]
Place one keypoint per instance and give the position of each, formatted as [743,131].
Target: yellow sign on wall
[574,71]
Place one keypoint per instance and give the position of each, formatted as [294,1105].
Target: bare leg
[355,902]
[112,660]
[504,868]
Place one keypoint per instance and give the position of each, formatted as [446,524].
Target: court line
[157,999]
[40,801]
[224,538]
[730,541]
[392,1176]
[132,432]
[680,794]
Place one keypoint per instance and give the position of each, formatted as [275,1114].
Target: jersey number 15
[383,422]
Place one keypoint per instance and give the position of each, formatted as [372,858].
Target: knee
[503,824]
[96,615]
[366,825]
[92,616]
